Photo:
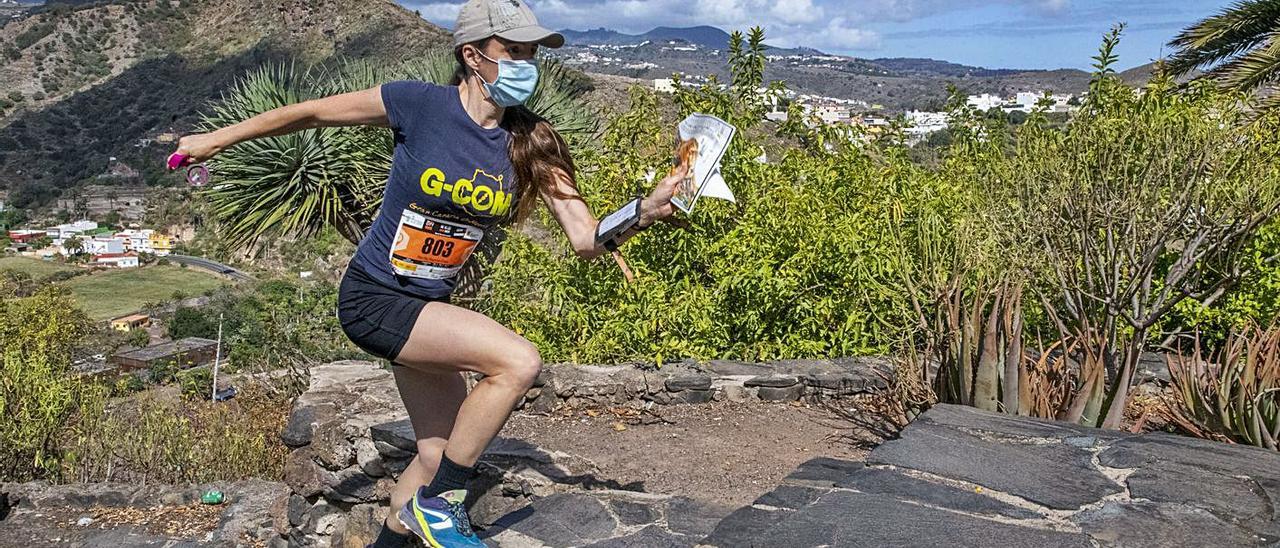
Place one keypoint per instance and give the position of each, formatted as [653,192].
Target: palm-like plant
[1241,44]
[298,183]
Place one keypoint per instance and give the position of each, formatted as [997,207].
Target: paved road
[212,266]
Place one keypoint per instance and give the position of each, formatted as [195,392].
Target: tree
[1240,43]
[74,245]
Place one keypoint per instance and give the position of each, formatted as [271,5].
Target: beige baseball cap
[510,19]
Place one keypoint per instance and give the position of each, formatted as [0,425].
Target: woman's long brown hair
[537,151]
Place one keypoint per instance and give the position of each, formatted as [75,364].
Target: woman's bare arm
[580,225]
[347,109]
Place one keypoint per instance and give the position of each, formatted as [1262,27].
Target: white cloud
[440,13]
[796,11]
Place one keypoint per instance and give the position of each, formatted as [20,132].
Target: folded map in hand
[703,139]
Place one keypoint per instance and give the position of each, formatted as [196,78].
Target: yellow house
[129,323]
[161,244]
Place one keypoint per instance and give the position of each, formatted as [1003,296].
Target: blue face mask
[515,83]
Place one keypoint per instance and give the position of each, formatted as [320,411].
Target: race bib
[427,247]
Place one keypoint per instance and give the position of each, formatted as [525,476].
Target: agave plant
[1235,396]
[1241,44]
[294,183]
[298,183]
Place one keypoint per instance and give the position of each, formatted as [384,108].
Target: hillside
[85,83]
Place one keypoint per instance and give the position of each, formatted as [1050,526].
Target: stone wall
[351,437]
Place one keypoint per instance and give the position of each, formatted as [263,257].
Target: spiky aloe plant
[1236,395]
[298,183]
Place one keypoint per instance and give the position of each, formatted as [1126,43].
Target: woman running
[468,157]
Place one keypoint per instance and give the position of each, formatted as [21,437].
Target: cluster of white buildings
[1025,101]
[599,54]
[108,248]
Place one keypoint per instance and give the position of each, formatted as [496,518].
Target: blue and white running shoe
[441,522]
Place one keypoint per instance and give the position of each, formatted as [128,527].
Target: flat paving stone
[791,497]
[937,486]
[649,537]
[1141,524]
[692,517]
[823,472]
[633,513]
[569,519]
[846,518]
[906,488]
[1039,468]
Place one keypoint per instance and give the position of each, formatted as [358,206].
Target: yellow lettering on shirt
[432,181]
[482,198]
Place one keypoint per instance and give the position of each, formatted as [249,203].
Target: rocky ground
[719,473]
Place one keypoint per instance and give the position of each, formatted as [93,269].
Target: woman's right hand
[199,147]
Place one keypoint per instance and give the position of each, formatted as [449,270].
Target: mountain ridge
[99,80]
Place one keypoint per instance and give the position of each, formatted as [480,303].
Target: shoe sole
[425,535]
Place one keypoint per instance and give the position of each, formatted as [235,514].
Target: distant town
[871,116]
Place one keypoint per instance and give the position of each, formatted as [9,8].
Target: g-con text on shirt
[469,192]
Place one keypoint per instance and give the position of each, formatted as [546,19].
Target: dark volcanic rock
[772,381]
[649,537]
[689,382]
[790,393]
[791,497]
[845,518]
[1159,525]
[562,520]
[691,517]
[633,513]
[1022,461]
[823,472]
[398,434]
[903,487]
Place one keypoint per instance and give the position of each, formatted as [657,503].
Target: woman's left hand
[657,205]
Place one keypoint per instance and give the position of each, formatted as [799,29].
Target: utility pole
[217,357]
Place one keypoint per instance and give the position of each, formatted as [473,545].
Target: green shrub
[196,383]
[805,264]
[40,400]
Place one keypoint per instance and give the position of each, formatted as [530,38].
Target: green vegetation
[117,292]
[36,268]
[1239,44]
[41,402]
[1231,396]
[61,428]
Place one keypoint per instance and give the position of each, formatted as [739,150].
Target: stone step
[963,477]
[606,519]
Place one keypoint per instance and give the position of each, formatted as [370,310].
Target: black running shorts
[376,318]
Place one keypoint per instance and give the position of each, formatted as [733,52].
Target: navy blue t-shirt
[451,180]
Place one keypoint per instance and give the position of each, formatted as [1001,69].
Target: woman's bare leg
[432,400]
[449,339]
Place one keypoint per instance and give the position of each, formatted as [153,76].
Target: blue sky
[989,33]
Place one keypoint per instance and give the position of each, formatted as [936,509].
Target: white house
[985,102]
[61,232]
[101,245]
[831,114]
[921,124]
[116,260]
[664,85]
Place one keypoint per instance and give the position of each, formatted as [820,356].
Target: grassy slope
[118,292]
[36,268]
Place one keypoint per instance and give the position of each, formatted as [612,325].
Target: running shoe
[441,522]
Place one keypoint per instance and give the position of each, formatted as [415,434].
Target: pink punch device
[197,174]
